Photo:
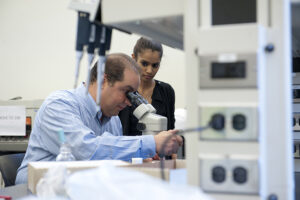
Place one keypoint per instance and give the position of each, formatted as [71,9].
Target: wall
[37,41]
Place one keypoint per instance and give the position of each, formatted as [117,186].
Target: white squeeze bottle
[65,153]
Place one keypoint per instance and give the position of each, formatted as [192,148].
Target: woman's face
[149,61]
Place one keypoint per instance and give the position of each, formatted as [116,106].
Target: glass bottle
[65,153]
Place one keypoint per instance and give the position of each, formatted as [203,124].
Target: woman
[148,53]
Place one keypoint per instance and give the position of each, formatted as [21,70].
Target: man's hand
[156,157]
[171,146]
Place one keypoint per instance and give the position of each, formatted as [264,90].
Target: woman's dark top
[163,100]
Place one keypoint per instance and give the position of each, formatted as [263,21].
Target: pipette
[82,37]
[91,55]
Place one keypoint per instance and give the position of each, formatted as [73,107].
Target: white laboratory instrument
[296,93]
[18,143]
[149,122]
[237,60]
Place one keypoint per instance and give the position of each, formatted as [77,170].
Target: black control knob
[240,175]
[269,48]
[239,122]
[218,174]
[140,126]
[218,122]
[296,93]
[273,197]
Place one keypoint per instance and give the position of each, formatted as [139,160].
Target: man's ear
[133,57]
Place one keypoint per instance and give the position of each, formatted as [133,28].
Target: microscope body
[149,122]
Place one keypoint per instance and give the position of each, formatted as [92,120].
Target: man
[93,133]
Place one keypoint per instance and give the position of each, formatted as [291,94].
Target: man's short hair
[114,67]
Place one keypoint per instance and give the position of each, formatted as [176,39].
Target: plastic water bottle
[65,153]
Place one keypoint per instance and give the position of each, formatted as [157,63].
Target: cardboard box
[172,169]
[36,170]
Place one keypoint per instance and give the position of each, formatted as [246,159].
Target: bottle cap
[137,160]
[61,135]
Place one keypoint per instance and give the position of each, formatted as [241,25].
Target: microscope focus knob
[141,126]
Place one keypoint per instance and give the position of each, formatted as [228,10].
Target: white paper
[12,121]
[229,57]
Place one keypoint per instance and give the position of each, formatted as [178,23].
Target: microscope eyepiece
[135,99]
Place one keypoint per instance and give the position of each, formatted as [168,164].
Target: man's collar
[103,119]
[91,104]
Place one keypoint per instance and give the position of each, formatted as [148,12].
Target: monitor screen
[228,70]
[233,11]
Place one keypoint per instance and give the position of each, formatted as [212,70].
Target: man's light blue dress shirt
[90,139]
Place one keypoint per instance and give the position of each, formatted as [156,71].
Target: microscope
[149,122]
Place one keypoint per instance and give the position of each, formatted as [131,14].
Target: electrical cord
[180,132]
